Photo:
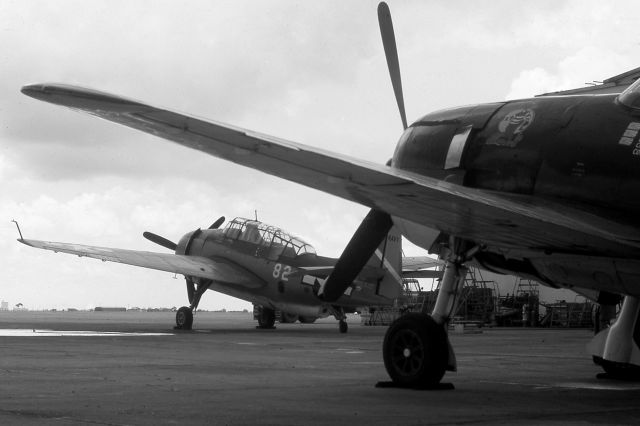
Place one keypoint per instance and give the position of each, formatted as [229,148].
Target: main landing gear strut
[339,314]
[617,348]
[195,290]
[416,349]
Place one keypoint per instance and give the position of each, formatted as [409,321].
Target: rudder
[388,256]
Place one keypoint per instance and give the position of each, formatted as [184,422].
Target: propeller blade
[371,232]
[217,223]
[160,240]
[391,52]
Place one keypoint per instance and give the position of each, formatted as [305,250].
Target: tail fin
[388,256]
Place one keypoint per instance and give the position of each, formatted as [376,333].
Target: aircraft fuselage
[279,279]
[578,152]
[582,150]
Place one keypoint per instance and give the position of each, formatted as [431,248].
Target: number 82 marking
[280,272]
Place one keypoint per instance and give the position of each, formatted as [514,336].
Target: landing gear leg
[617,349]
[184,316]
[416,349]
[339,314]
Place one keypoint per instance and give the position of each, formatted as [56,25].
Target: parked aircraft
[544,188]
[264,265]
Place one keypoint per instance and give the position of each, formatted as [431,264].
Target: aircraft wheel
[307,320]
[343,326]
[286,318]
[184,318]
[267,317]
[415,350]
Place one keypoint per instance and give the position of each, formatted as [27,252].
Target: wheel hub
[409,352]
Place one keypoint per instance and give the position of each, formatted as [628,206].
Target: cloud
[584,66]
[312,72]
[106,211]
[599,42]
[261,65]
[248,60]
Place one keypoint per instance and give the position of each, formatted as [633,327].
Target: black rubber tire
[307,320]
[266,318]
[286,318]
[343,326]
[415,351]
[184,318]
[618,370]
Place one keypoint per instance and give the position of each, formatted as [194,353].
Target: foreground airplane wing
[489,218]
[421,267]
[193,266]
[416,263]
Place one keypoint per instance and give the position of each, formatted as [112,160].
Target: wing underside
[488,218]
[412,267]
[416,263]
[421,267]
[218,270]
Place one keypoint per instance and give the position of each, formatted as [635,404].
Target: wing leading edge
[489,218]
[220,271]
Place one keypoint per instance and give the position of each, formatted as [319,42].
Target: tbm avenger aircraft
[265,265]
[545,188]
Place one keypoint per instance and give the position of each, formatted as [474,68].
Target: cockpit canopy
[273,240]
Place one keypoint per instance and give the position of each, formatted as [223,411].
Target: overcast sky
[312,72]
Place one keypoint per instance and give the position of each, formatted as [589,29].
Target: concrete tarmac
[228,372]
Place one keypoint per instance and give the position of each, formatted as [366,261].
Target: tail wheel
[343,326]
[415,351]
[184,318]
